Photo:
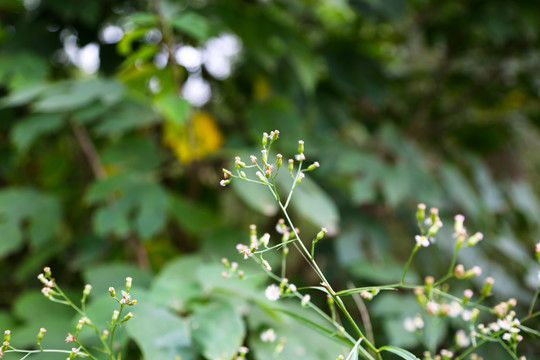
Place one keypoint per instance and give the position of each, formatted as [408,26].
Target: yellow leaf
[194,140]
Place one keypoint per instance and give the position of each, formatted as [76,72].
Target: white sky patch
[196,90]
[189,57]
[111,34]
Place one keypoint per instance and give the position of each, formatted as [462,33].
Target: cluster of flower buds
[231,269]
[126,297]
[461,273]
[369,294]
[5,343]
[507,323]
[460,233]
[48,283]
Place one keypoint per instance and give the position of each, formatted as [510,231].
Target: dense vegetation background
[117,117]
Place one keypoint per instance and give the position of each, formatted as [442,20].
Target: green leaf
[31,128]
[140,204]
[396,184]
[314,205]
[256,196]
[177,284]
[353,355]
[192,24]
[160,334]
[218,330]
[69,96]
[20,205]
[125,117]
[175,109]
[194,218]
[404,354]
[23,96]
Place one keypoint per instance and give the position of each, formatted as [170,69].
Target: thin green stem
[408,264]
[450,272]
[534,301]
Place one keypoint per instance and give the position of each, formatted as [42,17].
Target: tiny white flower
[455,309]
[421,241]
[409,325]
[462,340]
[507,336]
[418,321]
[272,292]
[268,336]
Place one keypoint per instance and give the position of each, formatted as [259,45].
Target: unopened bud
[243,175]
[279,160]
[87,289]
[115,316]
[260,176]
[127,317]
[300,146]
[7,335]
[253,159]
[264,140]
[313,166]
[129,281]
[112,291]
[225,182]
[475,239]
[467,295]
[420,212]
[291,165]
[47,271]
[486,290]
[226,173]
[40,335]
[429,280]
[300,177]
[275,135]
[321,234]
[459,271]
[264,155]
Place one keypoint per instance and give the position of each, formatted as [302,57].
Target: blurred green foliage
[107,169]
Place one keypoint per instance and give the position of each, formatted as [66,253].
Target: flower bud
[226,173]
[279,160]
[300,177]
[129,281]
[225,182]
[313,166]
[429,280]
[300,146]
[321,234]
[115,316]
[127,317]
[275,135]
[486,290]
[87,289]
[305,300]
[265,239]
[264,140]
[475,239]
[260,176]
[112,291]
[420,212]
[40,335]
[7,335]
[264,156]
[243,175]
[467,295]
[291,165]
[47,271]
[253,159]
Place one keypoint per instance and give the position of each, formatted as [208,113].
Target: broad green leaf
[460,191]
[142,18]
[194,218]
[18,205]
[132,154]
[192,24]
[160,334]
[314,205]
[23,96]
[174,108]
[402,353]
[70,96]
[125,117]
[20,70]
[217,330]
[177,284]
[396,184]
[256,196]
[31,128]
[139,204]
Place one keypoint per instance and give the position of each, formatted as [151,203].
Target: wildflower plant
[105,336]
[434,295]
